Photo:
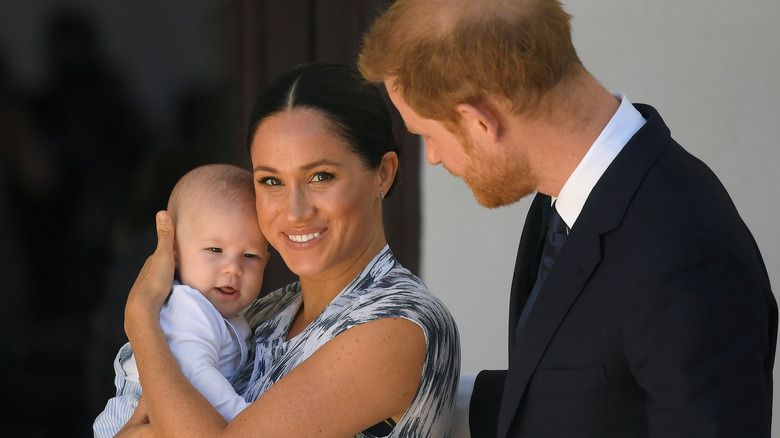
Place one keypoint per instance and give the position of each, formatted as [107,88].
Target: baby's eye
[214,249]
[269,181]
[322,177]
[251,256]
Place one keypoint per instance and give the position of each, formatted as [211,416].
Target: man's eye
[322,176]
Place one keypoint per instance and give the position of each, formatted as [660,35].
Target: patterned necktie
[553,242]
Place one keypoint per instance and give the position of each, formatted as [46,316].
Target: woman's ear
[480,120]
[387,171]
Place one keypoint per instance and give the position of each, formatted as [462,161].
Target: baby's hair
[213,184]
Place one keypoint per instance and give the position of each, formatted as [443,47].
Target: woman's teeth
[300,238]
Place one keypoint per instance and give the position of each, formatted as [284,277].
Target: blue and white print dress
[384,289]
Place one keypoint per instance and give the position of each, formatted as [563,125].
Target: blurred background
[105,104]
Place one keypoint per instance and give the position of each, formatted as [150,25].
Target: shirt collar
[622,126]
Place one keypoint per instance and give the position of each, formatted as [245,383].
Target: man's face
[441,145]
[495,176]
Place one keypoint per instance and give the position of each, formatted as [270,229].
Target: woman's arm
[359,378]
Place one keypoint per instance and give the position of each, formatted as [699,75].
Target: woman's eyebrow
[319,163]
[309,166]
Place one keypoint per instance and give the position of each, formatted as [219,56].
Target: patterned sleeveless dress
[384,289]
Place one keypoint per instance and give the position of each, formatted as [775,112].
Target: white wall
[710,67]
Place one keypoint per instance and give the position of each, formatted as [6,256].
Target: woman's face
[317,202]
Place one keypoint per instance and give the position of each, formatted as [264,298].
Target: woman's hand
[138,425]
[154,281]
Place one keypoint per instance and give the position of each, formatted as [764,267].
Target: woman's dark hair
[354,107]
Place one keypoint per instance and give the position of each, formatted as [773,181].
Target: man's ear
[479,120]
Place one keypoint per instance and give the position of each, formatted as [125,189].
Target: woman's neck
[318,291]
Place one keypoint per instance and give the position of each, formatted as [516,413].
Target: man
[656,316]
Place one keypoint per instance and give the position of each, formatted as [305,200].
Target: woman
[357,347]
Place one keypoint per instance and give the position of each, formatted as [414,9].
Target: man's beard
[496,182]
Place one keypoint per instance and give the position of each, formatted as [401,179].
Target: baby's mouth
[227,290]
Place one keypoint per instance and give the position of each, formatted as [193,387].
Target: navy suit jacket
[657,318]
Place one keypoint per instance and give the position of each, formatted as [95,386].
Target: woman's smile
[303,238]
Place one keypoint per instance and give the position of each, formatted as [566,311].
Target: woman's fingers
[141,414]
[164,234]
[157,274]
[164,260]
[138,424]
[154,282]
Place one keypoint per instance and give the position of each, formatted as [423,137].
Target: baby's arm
[195,331]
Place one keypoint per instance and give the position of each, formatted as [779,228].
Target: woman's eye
[269,181]
[217,250]
[322,177]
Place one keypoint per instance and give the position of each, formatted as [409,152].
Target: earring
[381,195]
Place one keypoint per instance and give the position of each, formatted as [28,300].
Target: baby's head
[219,248]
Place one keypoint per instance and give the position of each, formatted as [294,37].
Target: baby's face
[222,253]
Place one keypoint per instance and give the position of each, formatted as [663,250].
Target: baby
[220,257]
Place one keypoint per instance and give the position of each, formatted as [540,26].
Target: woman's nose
[299,206]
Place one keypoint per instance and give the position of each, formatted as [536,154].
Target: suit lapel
[579,257]
[573,266]
[527,252]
